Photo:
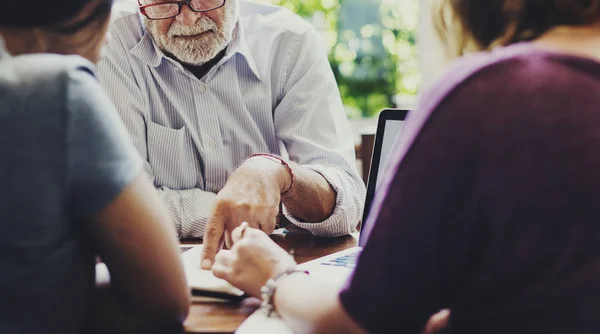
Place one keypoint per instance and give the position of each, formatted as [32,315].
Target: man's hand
[252,194]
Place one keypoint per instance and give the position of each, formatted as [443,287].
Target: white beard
[196,50]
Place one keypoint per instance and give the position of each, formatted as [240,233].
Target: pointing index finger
[212,239]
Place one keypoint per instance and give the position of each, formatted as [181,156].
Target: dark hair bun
[39,13]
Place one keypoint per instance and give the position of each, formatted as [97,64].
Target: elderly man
[236,112]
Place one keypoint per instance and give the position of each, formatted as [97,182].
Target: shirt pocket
[173,157]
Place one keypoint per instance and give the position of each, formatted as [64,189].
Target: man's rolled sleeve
[311,121]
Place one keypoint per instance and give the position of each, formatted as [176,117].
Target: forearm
[308,306]
[347,212]
[311,198]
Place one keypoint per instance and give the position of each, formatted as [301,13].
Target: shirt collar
[238,45]
[148,52]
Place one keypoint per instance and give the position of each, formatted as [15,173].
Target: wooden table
[218,317]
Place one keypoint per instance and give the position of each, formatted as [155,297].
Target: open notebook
[202,282]
[205,286]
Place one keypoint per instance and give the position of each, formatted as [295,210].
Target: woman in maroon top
[491,206]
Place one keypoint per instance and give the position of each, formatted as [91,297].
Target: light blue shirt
[273,91]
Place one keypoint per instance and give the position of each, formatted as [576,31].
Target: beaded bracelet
[268,290]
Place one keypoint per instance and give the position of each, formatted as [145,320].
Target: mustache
[202,25]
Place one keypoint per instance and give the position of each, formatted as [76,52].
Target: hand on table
[252,194]
[254,259]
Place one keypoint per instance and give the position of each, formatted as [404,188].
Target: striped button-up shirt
[273,91]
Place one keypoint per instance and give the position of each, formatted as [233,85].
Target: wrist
[284,176]
[267,292]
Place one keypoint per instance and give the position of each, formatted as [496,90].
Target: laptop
[337,266]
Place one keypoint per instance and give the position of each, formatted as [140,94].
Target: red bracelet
[283,162]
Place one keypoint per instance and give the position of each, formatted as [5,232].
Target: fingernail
[206,264]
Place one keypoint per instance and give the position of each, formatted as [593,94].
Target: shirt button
[213,143]
[203,88]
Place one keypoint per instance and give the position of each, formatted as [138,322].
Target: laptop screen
[389,125]
[392,128]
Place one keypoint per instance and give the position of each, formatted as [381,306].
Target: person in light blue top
[73,187]
[204,85]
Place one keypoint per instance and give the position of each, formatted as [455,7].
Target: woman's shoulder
[40,94]
[521,69]
[40,87]
[41,76]
[513,81]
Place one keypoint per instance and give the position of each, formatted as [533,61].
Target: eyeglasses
[169,9]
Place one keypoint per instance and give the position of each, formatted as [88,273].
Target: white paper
[102,274]
[200,279]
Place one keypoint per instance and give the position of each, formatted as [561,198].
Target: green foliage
[374,62]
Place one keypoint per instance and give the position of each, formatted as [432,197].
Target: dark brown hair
[489,23]
[62,34]
[55,15]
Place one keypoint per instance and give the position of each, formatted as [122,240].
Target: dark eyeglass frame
[179,3]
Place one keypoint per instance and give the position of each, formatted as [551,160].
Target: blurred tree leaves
[372,48]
